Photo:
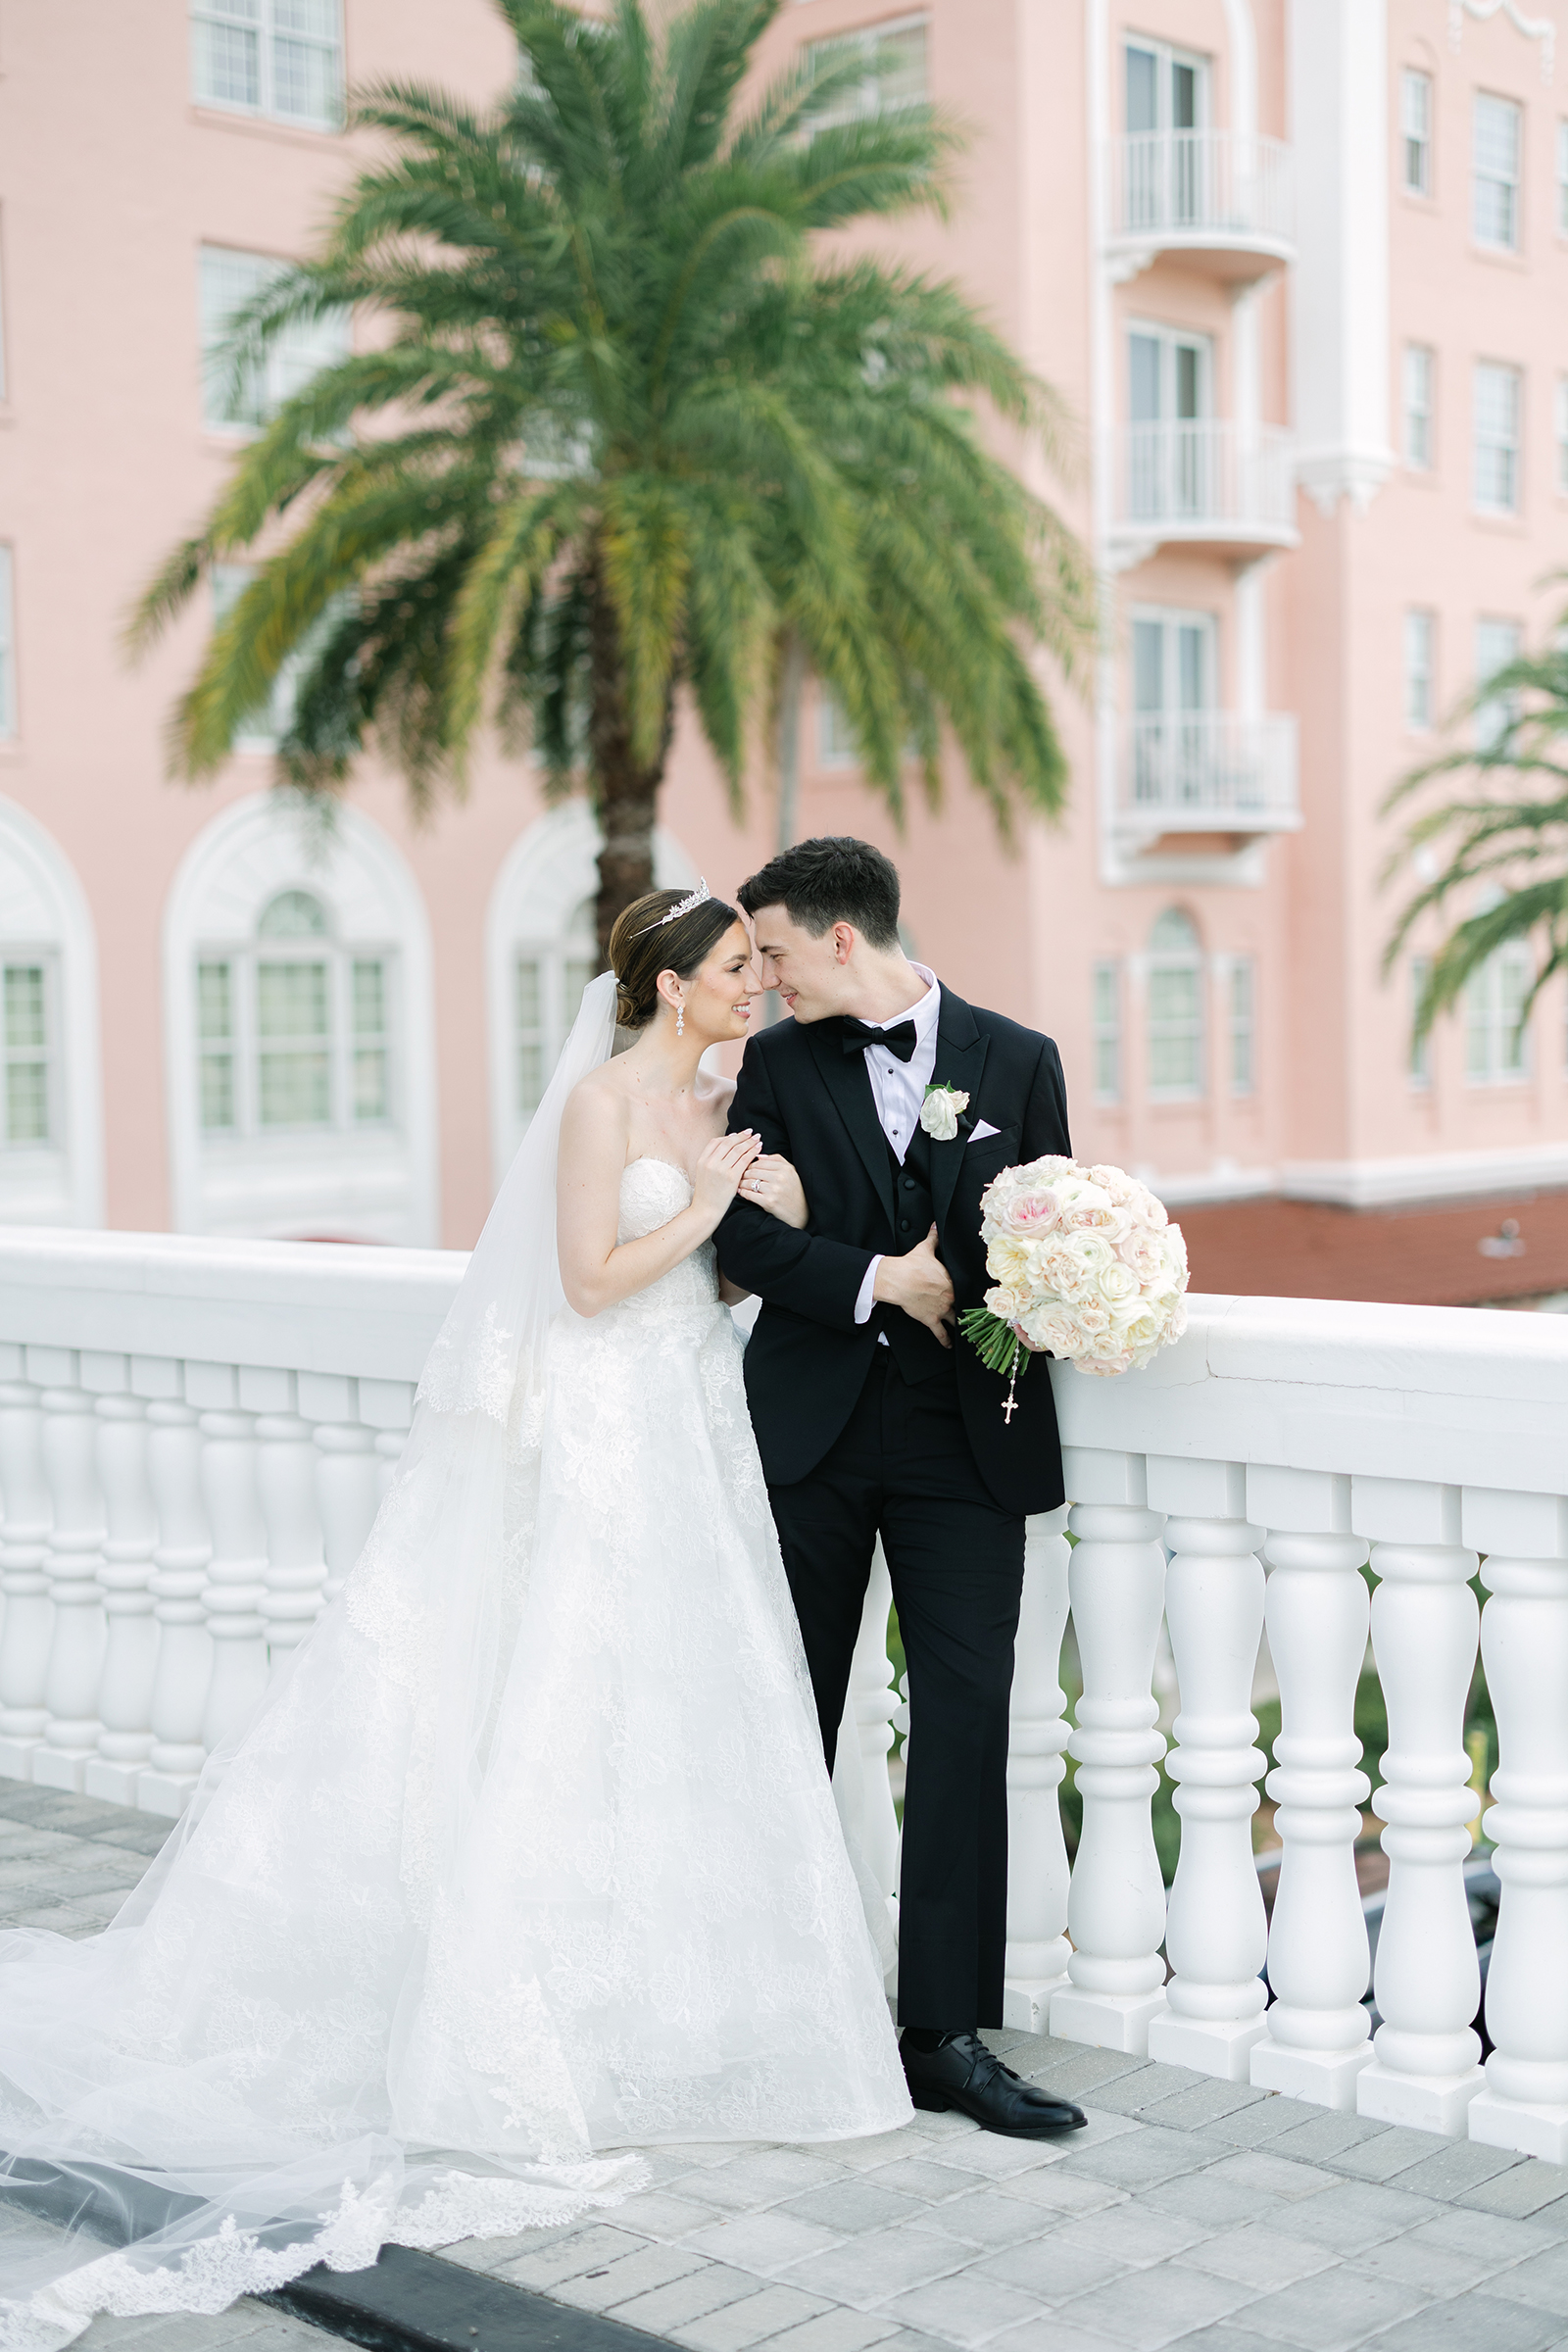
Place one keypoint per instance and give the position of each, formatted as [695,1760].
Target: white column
[286,1464]
[1524,1644]
[1218,1936]
[184,1669]
[1117,1903]
[861,1782]
[26,1629]
[347,1484]
[130,1653]
[236,1574]
[1318,1959]
[1038,1949]
[1425,1623]
[76,1555]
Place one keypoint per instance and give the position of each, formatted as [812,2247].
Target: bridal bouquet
[1086,1266]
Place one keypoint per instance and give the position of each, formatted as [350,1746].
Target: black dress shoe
[962,2073]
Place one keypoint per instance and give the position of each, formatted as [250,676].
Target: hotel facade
[1300,270]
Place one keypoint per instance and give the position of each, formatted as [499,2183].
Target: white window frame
[1420,669]
[1167,56]
[1415,131]
[1499,451]
[557,958]
[1173,621]
[1418,377]
[1499,640]
[243,956]
[257,20]
[1106,1028]
[20,955]
[8,646]
[1500,174]
[873,97]
[1496,1045]
[1418,1057]
[835,743]
[1241,1021]
[294,356]
[1160,1027]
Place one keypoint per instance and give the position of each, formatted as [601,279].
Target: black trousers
[902,1468]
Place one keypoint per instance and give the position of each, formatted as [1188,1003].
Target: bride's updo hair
[643,945]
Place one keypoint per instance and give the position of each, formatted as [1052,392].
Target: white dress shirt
[897,1089]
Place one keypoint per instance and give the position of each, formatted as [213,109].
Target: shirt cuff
[868,1294]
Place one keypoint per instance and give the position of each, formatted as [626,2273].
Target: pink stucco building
[1300,267]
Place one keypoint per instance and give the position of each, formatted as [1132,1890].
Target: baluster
[387,1407]
[130,1653]
[1217,1935]
[236,1574]
[76,1555]
[285,1484]
[184,1669]
[1038,1949]
[1116,1901]
[347,1484]
[27,1630]
[1316,1608]
[1425,1624]
[861,1782]
[1524,1642]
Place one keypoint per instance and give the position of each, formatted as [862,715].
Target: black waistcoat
[917,1353]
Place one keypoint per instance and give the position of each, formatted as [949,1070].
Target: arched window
[300,1032]
[1175,1008]
[541,952]
[51,1148]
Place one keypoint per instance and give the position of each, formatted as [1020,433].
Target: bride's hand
[720,1165]
[770,1183]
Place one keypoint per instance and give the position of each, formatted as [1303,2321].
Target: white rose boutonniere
[941,1110]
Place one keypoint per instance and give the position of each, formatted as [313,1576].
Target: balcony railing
[1203,482]
[1225,201]
[192,1435]
[1209,772]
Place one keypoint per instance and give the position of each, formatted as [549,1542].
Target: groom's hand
[920,1284]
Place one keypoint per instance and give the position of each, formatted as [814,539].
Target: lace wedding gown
[529,1856]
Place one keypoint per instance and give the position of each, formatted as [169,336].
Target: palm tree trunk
[625,788]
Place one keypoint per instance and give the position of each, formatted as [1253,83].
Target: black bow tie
[899,1040]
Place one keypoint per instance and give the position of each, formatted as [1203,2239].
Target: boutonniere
[942,1110]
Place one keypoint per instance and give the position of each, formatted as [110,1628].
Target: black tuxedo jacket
[807,1358]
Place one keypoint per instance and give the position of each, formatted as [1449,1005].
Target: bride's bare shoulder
[596,1111]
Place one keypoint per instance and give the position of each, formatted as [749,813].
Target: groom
[873,1418]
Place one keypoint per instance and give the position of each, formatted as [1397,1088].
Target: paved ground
[1190,2212]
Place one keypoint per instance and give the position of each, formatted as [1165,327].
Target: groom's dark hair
[833,879]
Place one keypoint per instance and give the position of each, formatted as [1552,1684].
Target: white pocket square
[981,1129]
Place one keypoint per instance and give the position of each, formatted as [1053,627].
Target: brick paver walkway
[1190,2212]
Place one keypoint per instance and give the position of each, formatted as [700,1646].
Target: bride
[529,1856]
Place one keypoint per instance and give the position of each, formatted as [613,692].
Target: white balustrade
[1117,1903]
[130,1653]
[1216,1933]
[1524,1645]
[26,1621]
[76,1553]
[1038,1950]
[1316,1609]
[202,1430]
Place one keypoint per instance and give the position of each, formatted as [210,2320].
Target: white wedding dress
[529,1858]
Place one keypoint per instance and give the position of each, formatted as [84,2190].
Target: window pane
[528,1005]
[902,55]
[293,914]
[1418,640]
[1143,101]
[1420,1064]
[1495,153]
[370,999]
[579,972]
[226,65]
[1418,371]
[227,282]
[214,1015]
[1242,1026]
[291,1000]
[370,1083]
[25,1005]
[217,1072]
[530,1074]
[296,1089]
[27,1103]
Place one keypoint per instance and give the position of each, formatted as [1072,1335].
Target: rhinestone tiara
[695,899]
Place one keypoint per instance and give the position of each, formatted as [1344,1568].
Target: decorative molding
[1530,28]
[1429,1176]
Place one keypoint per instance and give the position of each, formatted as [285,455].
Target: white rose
[939,1112]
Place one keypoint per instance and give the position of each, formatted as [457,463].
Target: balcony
[193,1436]
[1199,482]
[1207,771]
[1223,202]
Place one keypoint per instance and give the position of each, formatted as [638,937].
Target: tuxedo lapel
[849,1082]
[960,1059]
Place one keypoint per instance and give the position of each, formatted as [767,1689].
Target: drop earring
[680,1021]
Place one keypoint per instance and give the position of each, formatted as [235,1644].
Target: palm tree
[629,430]
[1508,833]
